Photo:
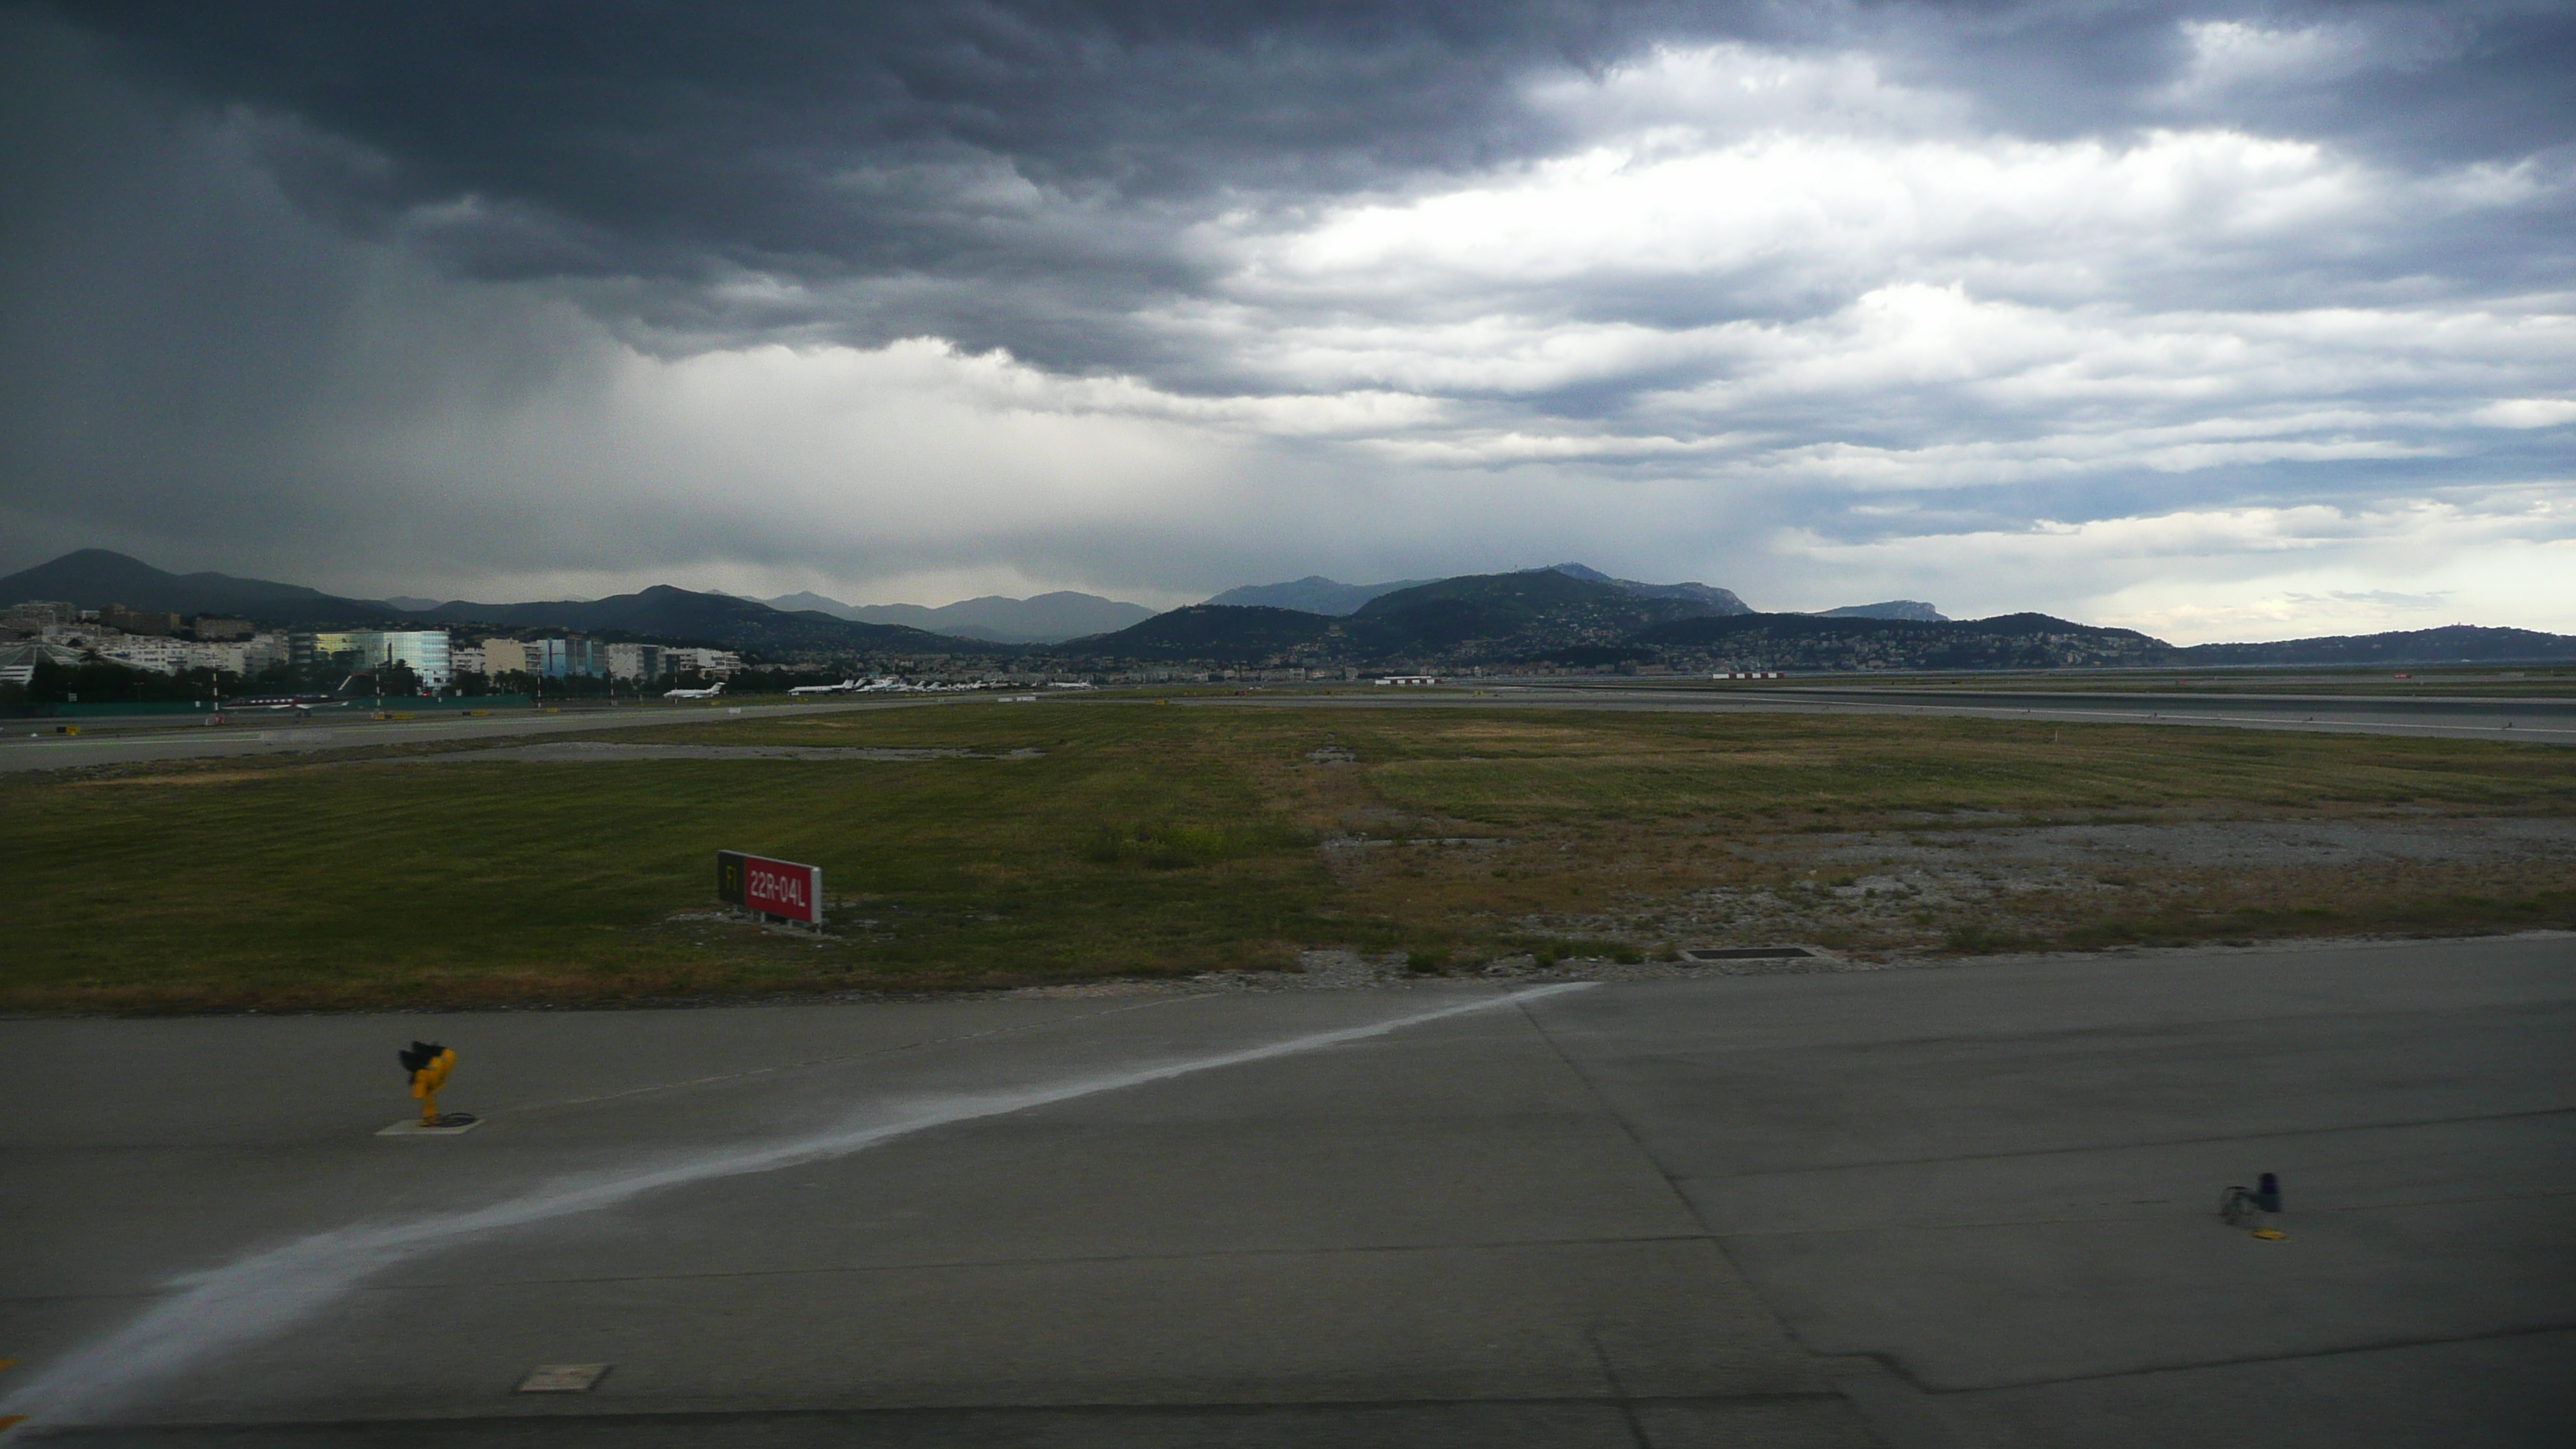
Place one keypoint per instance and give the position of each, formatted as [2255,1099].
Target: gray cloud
[1154,299]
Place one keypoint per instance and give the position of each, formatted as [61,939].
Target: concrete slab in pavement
[1677,1213]
[2001,1179]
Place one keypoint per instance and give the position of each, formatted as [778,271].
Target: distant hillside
[664,612]
[1313,594]
[1042,619]
[2453,644]
[1528,615]
[93,578]
[1219,633]
[1812,641]
[1719,601]
[1893,609]
[1539,614]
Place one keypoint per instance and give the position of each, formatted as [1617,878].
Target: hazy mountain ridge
[1565,615]
[1852,642]
[1723,601]
[1313,594]
[680,615]
[1039,619]
[1515,616]
[2450,644]
[93,578]
[1914,609]
[1227,633]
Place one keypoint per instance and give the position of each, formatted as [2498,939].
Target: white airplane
[846,686]
[710,692]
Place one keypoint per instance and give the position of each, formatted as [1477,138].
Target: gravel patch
[2255,843]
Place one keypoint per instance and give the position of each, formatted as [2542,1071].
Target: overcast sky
[2217,321]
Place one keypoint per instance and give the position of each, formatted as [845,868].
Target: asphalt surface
[29,745]
[24,745]
[1964,1206]
[2537,721]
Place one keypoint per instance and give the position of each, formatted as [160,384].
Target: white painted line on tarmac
[265,1294]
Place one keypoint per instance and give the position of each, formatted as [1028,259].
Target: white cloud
[2199,575]
[2526,412]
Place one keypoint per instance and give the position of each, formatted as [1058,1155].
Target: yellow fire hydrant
[429,1063]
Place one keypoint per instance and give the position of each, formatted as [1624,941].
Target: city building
[155,652]
[466,658]
[566,658]
[210,627]
[26,654]
[364,651]
[635,661]
[701,661]
[34,615]
[507,656]
[138,621]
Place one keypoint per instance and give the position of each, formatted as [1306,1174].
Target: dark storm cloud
[1027,170]
[1159,297]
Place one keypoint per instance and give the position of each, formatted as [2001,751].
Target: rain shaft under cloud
[2213,324]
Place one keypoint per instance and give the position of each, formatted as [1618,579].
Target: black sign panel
[729,874]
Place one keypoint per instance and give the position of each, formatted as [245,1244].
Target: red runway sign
[771,887]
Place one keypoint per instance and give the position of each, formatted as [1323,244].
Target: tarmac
[1965,1205]
[29,745]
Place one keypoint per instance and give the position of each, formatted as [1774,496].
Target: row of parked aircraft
[878,685]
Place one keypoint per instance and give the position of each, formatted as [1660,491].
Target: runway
[2538,721]
[1959,1206]
[29,745]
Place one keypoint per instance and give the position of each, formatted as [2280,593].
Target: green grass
[1146,839]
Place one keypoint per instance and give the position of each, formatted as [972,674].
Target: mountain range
[1567,615]
[1892,609]
[1564,615]
[1313,594]
[681,616]
[1041,619]
[94,578]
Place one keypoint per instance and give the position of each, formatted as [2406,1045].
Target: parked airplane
[846,686]
[710,692]
[350,691]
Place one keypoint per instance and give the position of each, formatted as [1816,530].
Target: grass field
[1161,839]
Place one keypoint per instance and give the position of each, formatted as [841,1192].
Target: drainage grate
[1747,953]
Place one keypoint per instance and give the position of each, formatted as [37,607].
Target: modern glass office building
[559,658]
[366,650]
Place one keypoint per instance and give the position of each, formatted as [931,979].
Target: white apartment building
[700,661]
[466,658]
[158,653]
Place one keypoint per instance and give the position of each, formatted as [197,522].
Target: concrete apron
[1432,1233]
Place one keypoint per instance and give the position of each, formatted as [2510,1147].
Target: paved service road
[1964,1206]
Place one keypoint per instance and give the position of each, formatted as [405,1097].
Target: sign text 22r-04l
[771,887]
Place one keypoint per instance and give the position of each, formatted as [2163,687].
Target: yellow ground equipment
[428,1063]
